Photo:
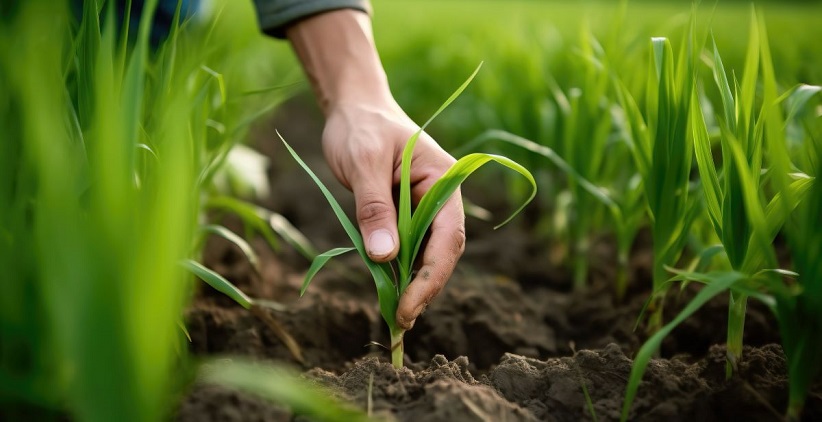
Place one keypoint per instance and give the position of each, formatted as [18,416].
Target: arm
[363,139]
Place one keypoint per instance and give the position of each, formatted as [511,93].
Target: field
[509,339]
[668,268]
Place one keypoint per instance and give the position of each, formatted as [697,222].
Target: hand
[363,145]
[363,140]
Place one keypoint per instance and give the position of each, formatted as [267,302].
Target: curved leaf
[381,273]
[292,235]
[435,198]
[715,283]
[238,241]
[281,385]
[320,261]
[218,282]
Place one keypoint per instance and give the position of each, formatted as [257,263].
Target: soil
[507,340]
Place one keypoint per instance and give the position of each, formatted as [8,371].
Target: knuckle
[372,210]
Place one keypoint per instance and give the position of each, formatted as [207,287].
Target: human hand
[363,141]
[363,145]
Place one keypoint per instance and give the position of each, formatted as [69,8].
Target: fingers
[445,246]
[376,215]
[361,153]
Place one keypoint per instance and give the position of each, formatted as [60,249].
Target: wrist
[338,54]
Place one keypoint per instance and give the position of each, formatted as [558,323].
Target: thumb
[377,218]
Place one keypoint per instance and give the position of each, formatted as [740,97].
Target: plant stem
[397,347]
[655,320]
[580,264]
[736,326]
[622,275]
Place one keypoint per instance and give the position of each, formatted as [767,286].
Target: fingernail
[380,243]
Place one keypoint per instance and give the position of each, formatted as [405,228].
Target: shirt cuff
[274,16]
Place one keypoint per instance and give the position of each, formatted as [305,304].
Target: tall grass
[109,149]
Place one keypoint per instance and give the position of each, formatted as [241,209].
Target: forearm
[337,51]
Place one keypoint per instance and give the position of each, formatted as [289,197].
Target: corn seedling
[798,307]
[741,127]
[663,151]
[586,128]
[393,278]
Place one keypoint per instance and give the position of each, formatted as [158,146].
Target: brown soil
[508,339]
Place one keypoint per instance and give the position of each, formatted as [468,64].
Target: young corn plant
[755,272]
[391,279]
[798,306]
[662,151]
[586,128]
[741,127]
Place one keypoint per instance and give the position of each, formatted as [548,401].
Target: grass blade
[715,284]
[381,273]
[320,261]
[406,256]
[218,282]
[280,385]
[238,241]
[435,198]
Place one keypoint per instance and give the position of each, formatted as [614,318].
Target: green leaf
[707,168]
[218,282]
[721,79]
[406,257]
[754,211]
[777,211]
[280,385]
[798,98]
[320,261]
[715,283]
[238,241]
[436,197]
[747,93]
[381,273]
[292,235]
[251,215]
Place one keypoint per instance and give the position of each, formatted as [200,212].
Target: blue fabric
[273,15]
[163,15]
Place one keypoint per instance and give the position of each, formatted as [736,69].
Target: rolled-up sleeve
[275,15]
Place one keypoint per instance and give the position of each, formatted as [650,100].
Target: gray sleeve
[275,15]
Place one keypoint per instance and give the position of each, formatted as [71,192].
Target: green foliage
[716,284]
[108,150]
[281,385]
[798,306]
[662,150]
[748,207]
[728,200]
